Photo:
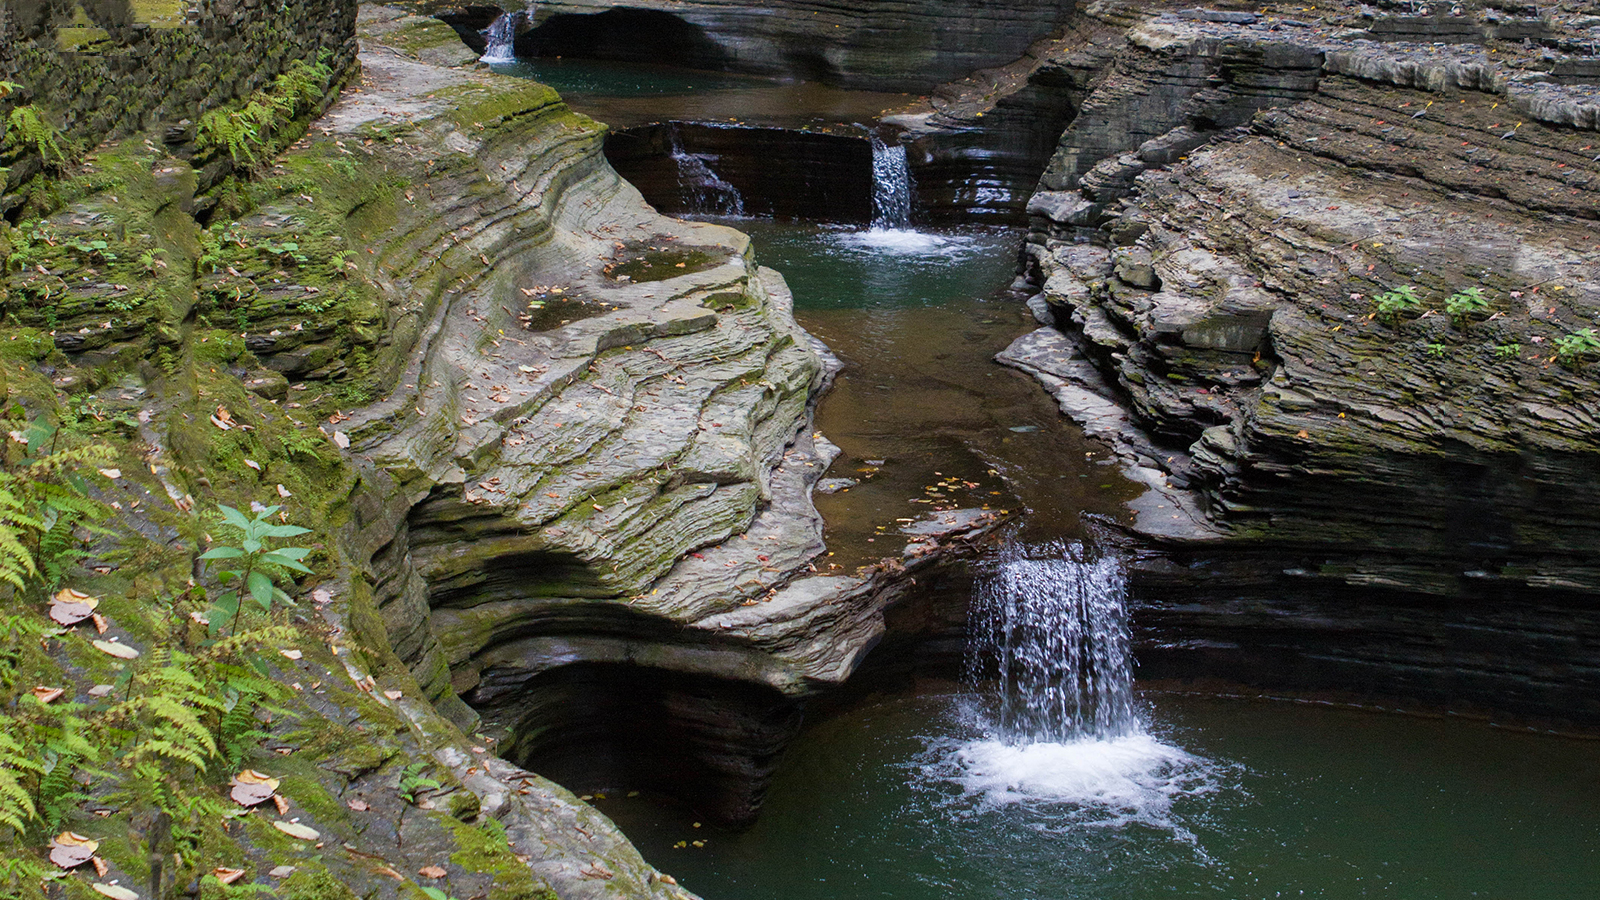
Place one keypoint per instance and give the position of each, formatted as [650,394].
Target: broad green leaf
[222,553]
[233,517]
[261,589]
[287,531]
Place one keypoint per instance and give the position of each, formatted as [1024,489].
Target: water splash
[1054,624]
[891,186]
[1061,735]
[501,36]
[700,188]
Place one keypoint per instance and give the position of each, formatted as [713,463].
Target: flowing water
[701,187]
[501,36]
[891,187]
[1055,778]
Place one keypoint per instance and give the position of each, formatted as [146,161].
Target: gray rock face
[1340,500]
[587,506]
[882,45]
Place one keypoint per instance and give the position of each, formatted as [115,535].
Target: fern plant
[27,129]
[44,503]
[160,715]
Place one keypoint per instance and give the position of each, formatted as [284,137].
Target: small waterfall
[891,186]
[502,35]
[1054,624]
[699,188]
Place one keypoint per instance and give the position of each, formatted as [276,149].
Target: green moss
[484,849]
[309,883]
[640,263]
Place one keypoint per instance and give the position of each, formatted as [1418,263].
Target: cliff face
[899,46]
[1386,500]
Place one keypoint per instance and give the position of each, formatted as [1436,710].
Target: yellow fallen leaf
[112,648]
[114,891]
[297,831]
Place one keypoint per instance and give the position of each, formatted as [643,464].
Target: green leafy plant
[253,565]
[1572,348]
[150,261]
[43,502]
[1464,304]
[1507,351]
[1437,350]
[1396,303]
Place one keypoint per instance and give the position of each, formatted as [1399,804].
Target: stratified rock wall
[908,45]
[1393,505]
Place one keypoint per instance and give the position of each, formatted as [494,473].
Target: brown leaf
[281,804]
[252,788]
[393,695]
[100,867]
[69,607]
[357,804]
[431,872]
[46,694]
[100,624]
[70,849]
[226,875]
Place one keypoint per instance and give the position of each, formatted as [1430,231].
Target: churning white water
[891,186]
[1060,730]
[502,34]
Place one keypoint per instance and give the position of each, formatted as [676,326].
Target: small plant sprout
[1437,350]
[255,563]
[1396,303]
[1508,351]
[1572,348]
[1464,304]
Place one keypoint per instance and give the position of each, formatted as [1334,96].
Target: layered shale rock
[599,530]
[1390,504]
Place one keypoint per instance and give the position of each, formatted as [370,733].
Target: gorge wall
[1385,504]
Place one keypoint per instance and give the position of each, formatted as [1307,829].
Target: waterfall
[699,188]
[502,35]
[891,186]
[1053,623]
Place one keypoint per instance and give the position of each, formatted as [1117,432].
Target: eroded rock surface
[1340,499]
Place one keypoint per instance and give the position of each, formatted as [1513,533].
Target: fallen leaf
[100,867]
[112,648]
[101,690]
[297,831]
[284,492]
[291,654]
[281,872]
[114,891]
[254,465]
[111,473]
[69,607]
[385,870]
[431,872]
[70,849]
[100,624]
[281,804]
[358,804]
[393,695]
[342,440]
[45,695]
[226,875]
[251,788]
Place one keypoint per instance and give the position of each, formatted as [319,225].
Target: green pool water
[1228,799]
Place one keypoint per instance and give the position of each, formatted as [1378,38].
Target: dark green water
[1281,800]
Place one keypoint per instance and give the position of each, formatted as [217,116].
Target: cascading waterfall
[1053,623]
[502,35]
[1061,736]
[891,186]
[700,188]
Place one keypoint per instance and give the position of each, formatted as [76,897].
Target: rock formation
[1390,500]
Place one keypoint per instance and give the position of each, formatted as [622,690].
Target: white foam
[1113,782]
[898,242]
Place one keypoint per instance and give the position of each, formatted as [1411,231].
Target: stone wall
[123,75]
